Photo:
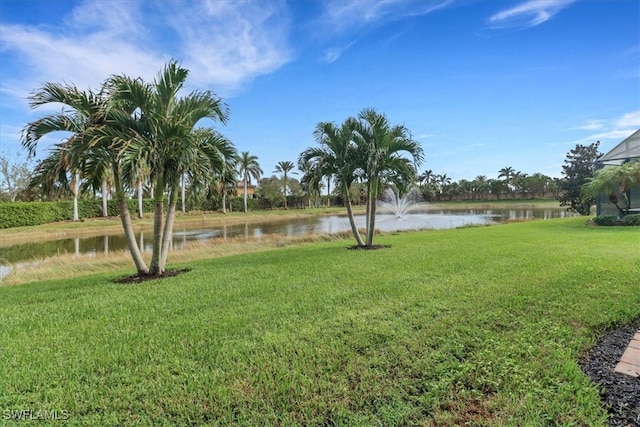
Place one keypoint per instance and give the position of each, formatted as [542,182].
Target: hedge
[611,220]
[24,214]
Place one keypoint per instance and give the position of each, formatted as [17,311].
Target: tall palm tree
[166,142]
[248,167]
[95,144]
[216,169]
[385,149]
[508,173]
[80,111]
[284,167]
[337,156]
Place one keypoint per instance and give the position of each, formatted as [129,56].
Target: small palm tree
[55,173]
[615,179]
[248,168]
[284,167]
[166,140]
[388,155]
[337,156]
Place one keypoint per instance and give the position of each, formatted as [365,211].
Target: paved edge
[629,363]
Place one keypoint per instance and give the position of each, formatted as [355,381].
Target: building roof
[627,149]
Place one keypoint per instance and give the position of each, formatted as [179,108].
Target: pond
[417,220]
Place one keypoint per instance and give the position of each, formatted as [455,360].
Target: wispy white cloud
[591,125]
[629,120]
[351,17]
[228,43]
[528,13]
[332,54]
[341,15]
[612,130]
[224,44]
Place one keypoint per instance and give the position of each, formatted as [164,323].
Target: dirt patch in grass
[139,278]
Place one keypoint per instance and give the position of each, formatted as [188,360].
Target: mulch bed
[619,392]
[368,248]
[135,278]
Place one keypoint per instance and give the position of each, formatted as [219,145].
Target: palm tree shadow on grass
[140,278]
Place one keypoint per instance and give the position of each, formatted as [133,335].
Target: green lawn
[482,325]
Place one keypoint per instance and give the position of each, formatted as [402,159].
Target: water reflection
[433,219]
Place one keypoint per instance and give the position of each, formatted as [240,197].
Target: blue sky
[481,84]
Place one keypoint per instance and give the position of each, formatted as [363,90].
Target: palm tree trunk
[224,201]
[157,225]
[130,237]
[329,192]
[104,198]
[140,207]
[74,192]
[125,218]
[285,192]
[352,221]
[168,229]
[183,194]
[371,225]
[245,193]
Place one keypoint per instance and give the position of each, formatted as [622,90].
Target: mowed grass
[476,326]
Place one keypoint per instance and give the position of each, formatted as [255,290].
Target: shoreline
[99,226]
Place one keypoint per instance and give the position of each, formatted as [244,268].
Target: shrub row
[23,214]
[609,220]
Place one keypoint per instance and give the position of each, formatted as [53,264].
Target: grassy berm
[475,326]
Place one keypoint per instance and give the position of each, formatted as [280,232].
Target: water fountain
[399,206]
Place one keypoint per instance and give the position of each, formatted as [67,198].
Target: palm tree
[95,144]
[141,176]
[56,173]
[508,173]
[337,156]
[614,179]
[284,167]
[249,168]
[80,112]
[311,177]
[218,168]
[383,149]
[426,177]
[166,140]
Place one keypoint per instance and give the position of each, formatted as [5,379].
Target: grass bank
[479,325]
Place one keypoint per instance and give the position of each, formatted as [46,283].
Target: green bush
[633,219]
[20,214]
[606,220]
[24,214]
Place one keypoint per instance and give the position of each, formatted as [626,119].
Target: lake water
[432,219]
